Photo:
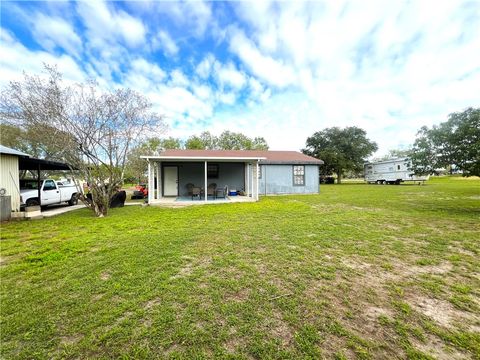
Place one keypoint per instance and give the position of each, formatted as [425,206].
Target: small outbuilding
[9,179]
[11,163]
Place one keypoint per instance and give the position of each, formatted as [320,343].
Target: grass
[358,271]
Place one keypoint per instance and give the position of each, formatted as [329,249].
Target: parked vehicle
[51,192]
[393,171]
[140,192]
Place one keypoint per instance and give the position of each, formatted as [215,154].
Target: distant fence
[5,207]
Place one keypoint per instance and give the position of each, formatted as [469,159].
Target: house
[253,172]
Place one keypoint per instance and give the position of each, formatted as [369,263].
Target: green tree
[171,143]
[341,149]
[227,140]
[90,128]
[454,142]
[395,153]
[194,142]
[136,167]
[259,143]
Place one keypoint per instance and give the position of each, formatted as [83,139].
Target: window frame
[294,176]
[49,188]
[216,171]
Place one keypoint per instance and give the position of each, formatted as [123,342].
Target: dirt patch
[233,345]
[374,312]
[442,312]
[280,329]
[152,303]
[439,269]
[391,227]
[105,276]
[435,347]
[356,265]
[71,339]
[190,266]
[238,296]
[97,297]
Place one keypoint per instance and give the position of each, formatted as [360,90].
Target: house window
[298,175]
[212,171]
[398,167]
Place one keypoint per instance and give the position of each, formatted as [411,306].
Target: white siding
[9,178]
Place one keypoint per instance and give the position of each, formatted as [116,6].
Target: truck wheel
[32,202]
[73,200]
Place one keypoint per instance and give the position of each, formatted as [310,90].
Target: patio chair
[196,193]
[189,187]
[211,190]
[222,192]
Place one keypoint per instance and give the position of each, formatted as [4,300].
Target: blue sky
[281,70]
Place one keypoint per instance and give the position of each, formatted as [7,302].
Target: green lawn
[358,271]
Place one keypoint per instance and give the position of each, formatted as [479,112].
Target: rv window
[370,167]
[398,167]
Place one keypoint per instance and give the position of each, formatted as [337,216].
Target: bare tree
[89,128]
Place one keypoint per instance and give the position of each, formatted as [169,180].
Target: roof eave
[202,158]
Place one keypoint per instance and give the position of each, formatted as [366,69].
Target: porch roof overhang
[202,158]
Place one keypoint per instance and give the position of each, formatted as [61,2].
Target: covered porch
[184,180]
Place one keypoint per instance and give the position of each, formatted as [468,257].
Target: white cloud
[105,25]
[204,68]
[229,75]
[193,16]
[16,58]
[178,78]
[53,32]
[165,42]
[275,72]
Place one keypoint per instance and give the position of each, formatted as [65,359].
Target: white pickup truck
[52,192]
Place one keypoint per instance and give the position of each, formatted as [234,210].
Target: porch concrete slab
[172,201]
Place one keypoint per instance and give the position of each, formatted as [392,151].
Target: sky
[281,70]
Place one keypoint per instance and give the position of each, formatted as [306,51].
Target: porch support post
[151,190]
[257,182]
[251,180]
[247,179]
[157,170]
[159,180]
[205,187]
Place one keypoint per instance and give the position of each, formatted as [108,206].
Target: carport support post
[39,186]
[205,187]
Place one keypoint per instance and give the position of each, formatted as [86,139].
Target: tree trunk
[339,177]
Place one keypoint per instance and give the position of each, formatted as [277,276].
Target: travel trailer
[393,171]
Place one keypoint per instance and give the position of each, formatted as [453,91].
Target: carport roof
[35,164]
